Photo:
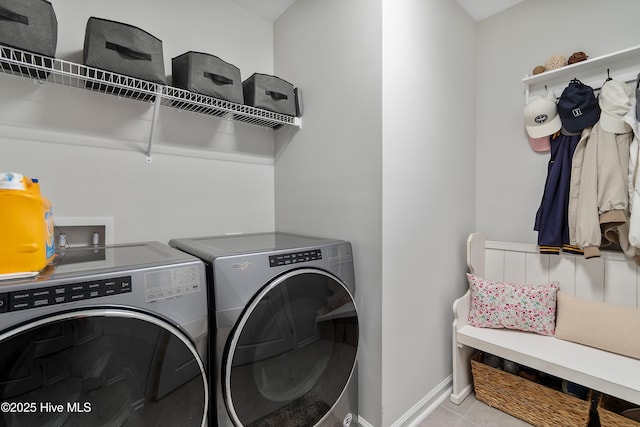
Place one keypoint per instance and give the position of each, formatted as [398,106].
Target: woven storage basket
[531,402]
[610,409]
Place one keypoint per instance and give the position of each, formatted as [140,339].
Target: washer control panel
[170,283]
[294,257]
[41,297]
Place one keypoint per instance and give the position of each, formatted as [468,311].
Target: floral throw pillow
[507,305]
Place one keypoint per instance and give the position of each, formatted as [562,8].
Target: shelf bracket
[156,110]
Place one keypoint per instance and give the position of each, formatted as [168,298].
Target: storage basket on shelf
[32,26]
[124,49]
[270,93]
[208,75]
[610,411]
[531,402]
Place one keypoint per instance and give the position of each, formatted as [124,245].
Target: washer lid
[83,261]
[211,247]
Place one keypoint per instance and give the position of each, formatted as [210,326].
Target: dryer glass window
[293,352]
[97,369]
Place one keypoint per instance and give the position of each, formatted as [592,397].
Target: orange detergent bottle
[26,225]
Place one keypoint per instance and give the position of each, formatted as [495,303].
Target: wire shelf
[58,71]
[202,104]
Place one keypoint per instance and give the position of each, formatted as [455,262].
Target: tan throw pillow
[608,327]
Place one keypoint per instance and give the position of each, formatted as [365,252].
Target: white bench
[611,278]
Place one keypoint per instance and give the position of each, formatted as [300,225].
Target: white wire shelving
[66,73]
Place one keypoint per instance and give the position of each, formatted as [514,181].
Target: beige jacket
[598,196]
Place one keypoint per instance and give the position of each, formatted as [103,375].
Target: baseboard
[423,408]
[363,423]
[426,405]
[458,398]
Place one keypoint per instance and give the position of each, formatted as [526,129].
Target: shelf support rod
[156,110]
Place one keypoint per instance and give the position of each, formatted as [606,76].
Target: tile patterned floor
[470,413]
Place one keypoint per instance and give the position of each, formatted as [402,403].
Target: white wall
[207,175]
[385,159]
[428,194]
[510,176]
[329,177]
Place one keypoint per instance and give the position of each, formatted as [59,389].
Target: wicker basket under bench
[531,402]
[610,412]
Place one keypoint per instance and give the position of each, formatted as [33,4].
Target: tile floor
[470,413]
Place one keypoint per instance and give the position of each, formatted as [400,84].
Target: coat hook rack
[624,64]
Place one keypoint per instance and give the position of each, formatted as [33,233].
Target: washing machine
[283,329]
[106,336]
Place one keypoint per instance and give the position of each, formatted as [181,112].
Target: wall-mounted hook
[608,76]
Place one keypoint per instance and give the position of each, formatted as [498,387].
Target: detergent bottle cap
[12,181]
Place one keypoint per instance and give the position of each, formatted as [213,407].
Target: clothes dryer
[284,329]
[106,336]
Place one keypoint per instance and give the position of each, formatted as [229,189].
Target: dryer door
[100,367]
[293,351]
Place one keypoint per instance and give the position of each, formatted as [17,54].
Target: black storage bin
[123,49]
[208,75]
[270,93]
[28,25]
